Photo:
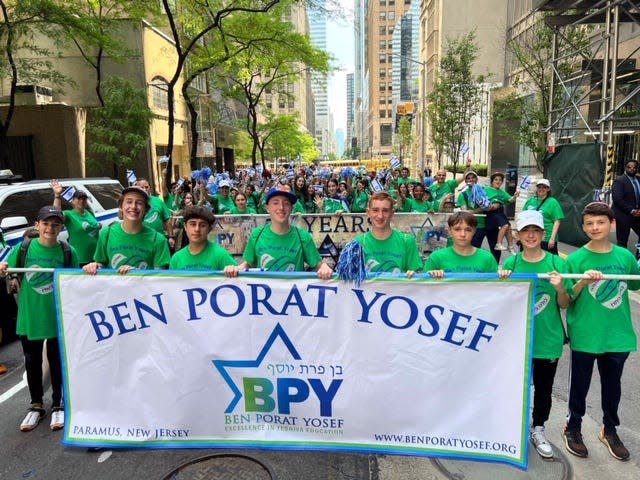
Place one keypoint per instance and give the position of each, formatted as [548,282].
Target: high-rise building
[350,133]
[440,20]
[381,19]
[318,36]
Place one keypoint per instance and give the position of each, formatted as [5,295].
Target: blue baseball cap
[274,192]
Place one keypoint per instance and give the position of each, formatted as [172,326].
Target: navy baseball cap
[50,212]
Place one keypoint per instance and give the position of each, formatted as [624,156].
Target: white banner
[413,367]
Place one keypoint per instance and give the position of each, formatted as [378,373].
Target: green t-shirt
[333,205]
[224,204]
[548,332]
[83,233]
[360,201]
[599,319]
[464,200]
[481,261]
[145,250]
[36,306]
[551,211]
[396,254]
[157,214]
[497,195]
[413,205]
[281,253]
[298,207]
[407,180]
[248,211]
[438,191]
[213,257]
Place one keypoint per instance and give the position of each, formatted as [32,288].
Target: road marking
[15,389]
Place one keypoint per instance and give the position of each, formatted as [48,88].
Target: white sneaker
[540,442]
[499,246]
[57,419]
[31,421]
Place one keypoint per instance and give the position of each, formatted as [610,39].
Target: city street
[40,455]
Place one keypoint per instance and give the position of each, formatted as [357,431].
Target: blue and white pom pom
[348,172]
[350,266]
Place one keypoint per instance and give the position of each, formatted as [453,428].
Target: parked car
[19,206]
[21,201]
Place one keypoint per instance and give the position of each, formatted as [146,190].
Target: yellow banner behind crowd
[421,367]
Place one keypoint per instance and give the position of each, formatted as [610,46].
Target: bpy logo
[276,395]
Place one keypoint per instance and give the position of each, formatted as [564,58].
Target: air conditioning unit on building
[33,95]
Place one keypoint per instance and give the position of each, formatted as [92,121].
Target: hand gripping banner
[397,366]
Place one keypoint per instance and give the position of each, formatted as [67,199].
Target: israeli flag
[131,177]
[376,186]
[4,252]
[180,182]
[68,193]
[395,162]
[526,181]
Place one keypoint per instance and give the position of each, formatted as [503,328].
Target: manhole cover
[556,469]
[222,467]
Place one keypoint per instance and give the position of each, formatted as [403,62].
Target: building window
[382,57]
[281,102]
[390,58]
[383,87]
[383,16]
[384,2]
[391,15]
[383,73]
[383,113]
[382,30]
[383,100]
[390,29]
[160,93]
[383,45]
[391,3]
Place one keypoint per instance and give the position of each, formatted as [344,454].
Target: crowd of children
[598,312]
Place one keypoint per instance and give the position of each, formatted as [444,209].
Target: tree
[270,66]
[119,131]
[523,114]
[281,138]
[23,60]
[455,98]
[189,27]
[406,136]
[95,26]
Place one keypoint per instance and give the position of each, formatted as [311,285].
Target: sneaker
[57,418]
[573,442]
[499,246]
[3,369]
[614,444]
[34,415]
[543,447]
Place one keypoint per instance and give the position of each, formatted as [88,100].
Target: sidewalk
[597,466]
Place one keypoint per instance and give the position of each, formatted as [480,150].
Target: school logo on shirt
[40,282]
[608,292]
[152,217]
[282,264]
[376,267]
[542,300]
[119,259]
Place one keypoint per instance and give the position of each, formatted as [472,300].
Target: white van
[20,203]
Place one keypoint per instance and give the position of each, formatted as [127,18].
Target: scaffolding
[598,98]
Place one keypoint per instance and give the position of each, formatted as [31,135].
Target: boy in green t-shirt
[200,253]
[600,328]
[36,314]
[81,224]
[386,249]
[548,333]
[461,257]
[279,246]
[131,243]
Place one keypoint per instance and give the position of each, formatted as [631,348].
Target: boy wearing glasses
[600,328]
